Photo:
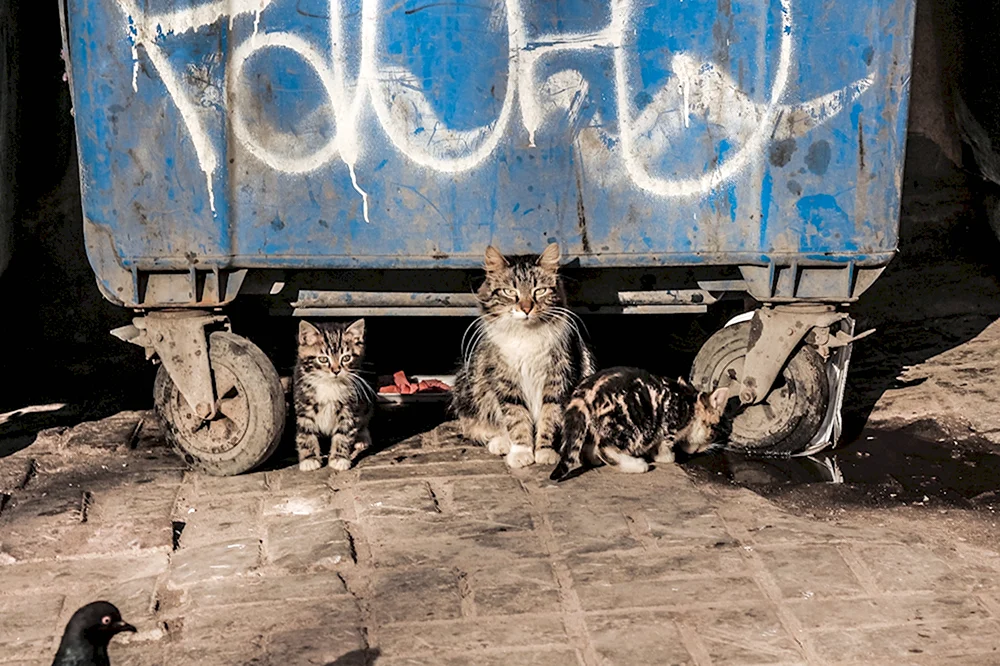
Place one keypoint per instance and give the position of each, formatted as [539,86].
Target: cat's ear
[494,261]
[549,258]
[683,382]
[717,401]
[357,330]
[309,335]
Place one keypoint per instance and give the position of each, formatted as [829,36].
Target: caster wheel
[791,415]
[250,415]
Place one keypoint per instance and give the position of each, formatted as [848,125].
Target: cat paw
[310,464]
[340,464]
[633,465]
[498,446]
[546,455]
[665,456]
[520,456]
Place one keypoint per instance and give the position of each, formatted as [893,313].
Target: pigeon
[85,641]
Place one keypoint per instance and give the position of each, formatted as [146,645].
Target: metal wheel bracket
[838,358]
[775,333]
[180,341]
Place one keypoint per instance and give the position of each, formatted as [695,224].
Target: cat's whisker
[467,357]
[470,342]
[365,391]
[474,327]
[574,316]
[568,321]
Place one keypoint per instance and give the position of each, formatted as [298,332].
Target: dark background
[940,291]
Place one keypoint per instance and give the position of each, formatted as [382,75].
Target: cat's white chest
[528,352]
[330,396]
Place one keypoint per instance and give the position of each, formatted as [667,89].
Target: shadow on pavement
[942,290]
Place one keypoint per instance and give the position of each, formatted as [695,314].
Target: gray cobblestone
[822,614]
[555,657]
[28,621]
[637,638]
[674,593]
[63,574]
[892,643]
[302,543]
[195,565]
[829,574]
[416,595]
[748,635]
[472,635]
[264,589]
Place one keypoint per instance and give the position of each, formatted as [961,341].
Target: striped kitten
[524,359]
[624,416]
[331,399]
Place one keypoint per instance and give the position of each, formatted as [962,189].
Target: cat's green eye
[322,360]
[542,291]
[509,293]
[346,358]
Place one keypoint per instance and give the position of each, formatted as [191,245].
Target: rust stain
[861,142]
[581,214]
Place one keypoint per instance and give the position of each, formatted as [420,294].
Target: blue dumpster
[234,146]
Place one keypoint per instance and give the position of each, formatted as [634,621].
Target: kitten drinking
[331,399]
[625,416]
[523,360]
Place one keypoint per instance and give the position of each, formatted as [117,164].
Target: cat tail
[575,438]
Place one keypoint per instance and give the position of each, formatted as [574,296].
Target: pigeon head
[97,623]
[85,641]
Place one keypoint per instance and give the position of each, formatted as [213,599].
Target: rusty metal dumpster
[357,156]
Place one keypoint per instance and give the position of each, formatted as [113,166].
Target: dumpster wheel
[791,415]
[250,404]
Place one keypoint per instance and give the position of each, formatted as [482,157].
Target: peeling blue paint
[766,186]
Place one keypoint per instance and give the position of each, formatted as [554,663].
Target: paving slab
[443,566]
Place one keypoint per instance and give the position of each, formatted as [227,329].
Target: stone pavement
[955,387]
[432,552]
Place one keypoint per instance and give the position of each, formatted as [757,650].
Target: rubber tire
[805,403]
[265,414]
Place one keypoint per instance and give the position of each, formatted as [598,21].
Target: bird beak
[121,625]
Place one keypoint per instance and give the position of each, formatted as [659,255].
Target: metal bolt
[747,396]
[203,409]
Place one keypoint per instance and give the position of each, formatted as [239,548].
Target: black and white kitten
[331,399]
[625,416]
[523,360]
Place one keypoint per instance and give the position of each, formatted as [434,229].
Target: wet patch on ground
[913,466]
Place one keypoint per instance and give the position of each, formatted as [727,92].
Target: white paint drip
[133,37]
[686,93]
[193,18]
[364,195]
[256,18]
[203,148]
[209,180]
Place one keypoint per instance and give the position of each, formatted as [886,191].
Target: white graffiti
[696,89]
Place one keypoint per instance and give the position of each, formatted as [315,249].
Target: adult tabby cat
[331,399]
[524,358]
[624,416]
